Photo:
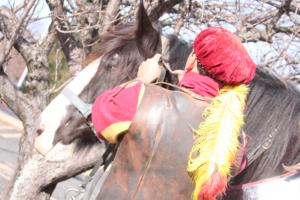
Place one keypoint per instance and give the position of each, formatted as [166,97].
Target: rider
[218,67]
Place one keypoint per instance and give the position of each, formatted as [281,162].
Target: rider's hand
[150,69]
[180,73]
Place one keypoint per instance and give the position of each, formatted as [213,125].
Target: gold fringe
[216,139]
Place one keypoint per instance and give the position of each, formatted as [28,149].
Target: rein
[85,109]
[160,81]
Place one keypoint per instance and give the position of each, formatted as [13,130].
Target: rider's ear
[191,62]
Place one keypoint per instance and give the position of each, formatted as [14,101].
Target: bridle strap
[162,75]
[84,108]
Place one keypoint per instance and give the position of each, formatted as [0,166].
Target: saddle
[151,160]
[152,157]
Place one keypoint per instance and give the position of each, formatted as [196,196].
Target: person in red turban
[217,59]
[221,57]
[221,67]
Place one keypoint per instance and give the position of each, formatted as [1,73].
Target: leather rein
[85,109]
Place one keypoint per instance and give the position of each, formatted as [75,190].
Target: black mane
[273,108]
[122,49]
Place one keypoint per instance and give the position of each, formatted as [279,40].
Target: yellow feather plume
[216,142]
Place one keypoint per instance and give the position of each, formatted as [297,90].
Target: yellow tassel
[216,142]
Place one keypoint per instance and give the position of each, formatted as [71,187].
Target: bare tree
[272,25]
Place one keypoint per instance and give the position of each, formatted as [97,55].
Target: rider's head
[220,54]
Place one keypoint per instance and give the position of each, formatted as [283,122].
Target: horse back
[152,157]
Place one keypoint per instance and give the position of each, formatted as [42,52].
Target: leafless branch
[35,57]
[49,40]
[16,32]
[14,98]
[111,13]
[72,49]
[288,7]
[158,8]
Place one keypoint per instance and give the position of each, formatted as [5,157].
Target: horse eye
[39,131]
[116,56]
[114,61]
[112,67]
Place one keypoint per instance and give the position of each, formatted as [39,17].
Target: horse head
[122,49]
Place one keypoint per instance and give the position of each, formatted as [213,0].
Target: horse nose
[40,130]
[43,141]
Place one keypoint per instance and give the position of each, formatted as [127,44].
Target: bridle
[85,110]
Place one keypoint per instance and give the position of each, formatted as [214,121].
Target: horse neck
[175,51]
[272,111]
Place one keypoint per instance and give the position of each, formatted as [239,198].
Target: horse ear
[148,37]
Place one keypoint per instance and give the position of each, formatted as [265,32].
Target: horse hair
[175,53]
[273,108]
[126,44]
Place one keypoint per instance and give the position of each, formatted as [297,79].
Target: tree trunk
[35,178]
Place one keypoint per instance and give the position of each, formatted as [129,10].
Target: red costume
[200,84]
[114,109]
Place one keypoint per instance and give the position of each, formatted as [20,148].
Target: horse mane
[272,112]
[122,49]
[174,52]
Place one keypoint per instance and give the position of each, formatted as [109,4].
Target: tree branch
[158,8]
[35,57]
[37,174]
[111,13]
[287,6]
[15,99]
[15,33]
[72,49]
[49,40]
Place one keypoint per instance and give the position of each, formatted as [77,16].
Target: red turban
[223,56]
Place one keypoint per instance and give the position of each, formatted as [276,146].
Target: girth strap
[82,107]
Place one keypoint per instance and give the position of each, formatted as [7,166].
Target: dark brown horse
[151,159]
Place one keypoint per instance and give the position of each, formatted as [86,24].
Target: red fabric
[223,56]
[115,105]
[200,84]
